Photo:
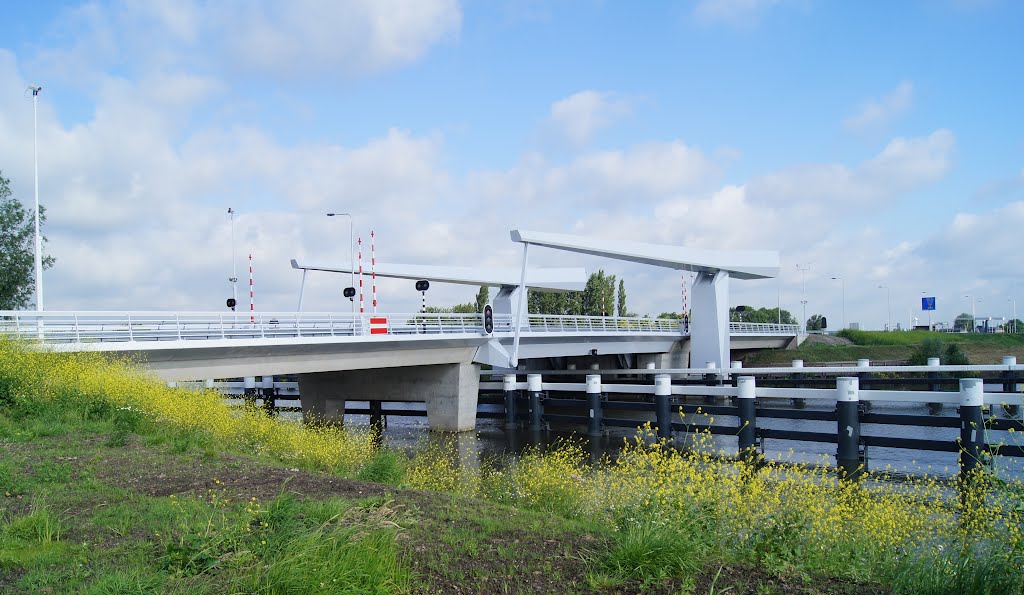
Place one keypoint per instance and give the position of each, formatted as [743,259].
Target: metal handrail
[113,326]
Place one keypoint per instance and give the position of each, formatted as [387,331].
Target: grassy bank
[110,482]
[892,346]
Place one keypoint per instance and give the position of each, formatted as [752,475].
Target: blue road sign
[927,303]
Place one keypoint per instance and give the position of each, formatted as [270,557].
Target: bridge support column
[709,326]
[321,399]
[450,391]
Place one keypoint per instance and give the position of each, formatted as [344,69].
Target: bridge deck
[120,327]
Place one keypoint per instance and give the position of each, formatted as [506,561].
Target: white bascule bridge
[433,357]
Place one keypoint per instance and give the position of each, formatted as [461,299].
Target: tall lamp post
[844,297]
[974,318]
[35,158]
[803,292]
[351,252]
[234,272]
[1014,301]
[925,294]
[888,306]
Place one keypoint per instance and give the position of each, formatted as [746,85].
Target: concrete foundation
[449,390]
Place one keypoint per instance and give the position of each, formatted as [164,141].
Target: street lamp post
[351,252]
[234,272]
[925,294]
[35,158]
[844,297]
[974,315]
[888,306]
[803,292]
[1014,301]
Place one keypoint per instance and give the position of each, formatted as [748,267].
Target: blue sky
[878,141]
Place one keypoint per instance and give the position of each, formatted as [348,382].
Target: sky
[878,147]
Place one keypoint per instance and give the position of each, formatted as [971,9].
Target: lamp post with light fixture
[351,252]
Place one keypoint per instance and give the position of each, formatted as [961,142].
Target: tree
[963,323]
[816,323]
[482,297]
[623,311]
[760,315]
[17,250]
[1013,326]
[596,299]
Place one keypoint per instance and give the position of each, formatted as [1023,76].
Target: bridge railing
[87,327]
[758,328]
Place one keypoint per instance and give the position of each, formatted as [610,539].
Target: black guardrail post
[848,421]
[269,396]
[1008,386]
[376,416]
[710,379]
[594,405]
[933,386]
[508,387]
[798,376]
[533,386]
[746,401]
[663,405]
[864,379]
[249,390]
[972,425]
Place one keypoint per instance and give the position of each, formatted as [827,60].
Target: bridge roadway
[339,356]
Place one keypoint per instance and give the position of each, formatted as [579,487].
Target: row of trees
[475,307]
[598,298]
[17,250]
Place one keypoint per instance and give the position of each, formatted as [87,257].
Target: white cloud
[735,13]
[884,109]
[579,116]
[286,41]
[903,165]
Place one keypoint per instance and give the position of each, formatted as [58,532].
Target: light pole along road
[351,252]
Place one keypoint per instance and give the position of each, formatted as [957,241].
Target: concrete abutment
[449,390]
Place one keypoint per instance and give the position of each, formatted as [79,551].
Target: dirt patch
[155,473]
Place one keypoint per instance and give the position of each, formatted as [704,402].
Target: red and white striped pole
[360,242]
[373,272]
[252,301]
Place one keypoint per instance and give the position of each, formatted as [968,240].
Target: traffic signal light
[231,303]
[824,323]
[488,319]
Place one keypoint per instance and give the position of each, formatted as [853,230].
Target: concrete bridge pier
[449,390]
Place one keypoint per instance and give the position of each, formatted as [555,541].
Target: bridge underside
[442,371]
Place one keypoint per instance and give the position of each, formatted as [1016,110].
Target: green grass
[893,346]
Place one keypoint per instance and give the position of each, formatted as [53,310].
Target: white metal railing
[95,327]
[758,328]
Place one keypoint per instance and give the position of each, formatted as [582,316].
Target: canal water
[491,440]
